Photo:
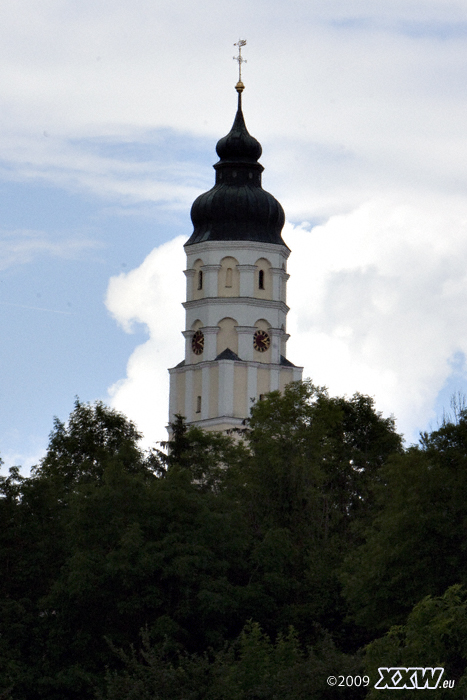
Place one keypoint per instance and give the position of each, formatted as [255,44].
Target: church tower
[235,332]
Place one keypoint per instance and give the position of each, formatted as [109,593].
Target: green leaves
[320,455]
[434,635]
[252,666]
[94,436]
[416,544]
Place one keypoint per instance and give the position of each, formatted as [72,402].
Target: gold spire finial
[240,43]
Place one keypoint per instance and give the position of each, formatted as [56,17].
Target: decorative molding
[240,362]
[242,301]
[197,248]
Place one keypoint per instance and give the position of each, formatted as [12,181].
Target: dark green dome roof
[238,145]
[237,208]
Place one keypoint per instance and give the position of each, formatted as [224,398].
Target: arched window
[200,279]
[261,279]
[228,277]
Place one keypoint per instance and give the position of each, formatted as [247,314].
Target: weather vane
[240,43]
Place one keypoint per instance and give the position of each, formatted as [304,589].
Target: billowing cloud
[384,304]
[150,295]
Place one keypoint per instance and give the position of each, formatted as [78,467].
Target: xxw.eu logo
[410,678]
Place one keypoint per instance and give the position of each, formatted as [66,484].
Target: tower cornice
[195,248]
[180,369]
[236,301]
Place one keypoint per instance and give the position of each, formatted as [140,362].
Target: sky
[110,113]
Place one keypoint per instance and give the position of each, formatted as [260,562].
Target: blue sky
[110,113]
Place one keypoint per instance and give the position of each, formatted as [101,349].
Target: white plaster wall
[229,316]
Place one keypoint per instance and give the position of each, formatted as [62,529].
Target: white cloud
[21,246]
[151,295]
[77,166]
[362,96]
[384,312]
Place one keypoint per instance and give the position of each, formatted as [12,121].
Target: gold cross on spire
[240,43]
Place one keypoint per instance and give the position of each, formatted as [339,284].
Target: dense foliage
[230,568]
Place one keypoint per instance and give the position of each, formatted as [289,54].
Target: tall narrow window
[200,279]
[228,277]
[261,279]
[198,404]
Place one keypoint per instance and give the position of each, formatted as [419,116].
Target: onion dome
[237,208]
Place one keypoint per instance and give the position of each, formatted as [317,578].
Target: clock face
[197,343]
[261,341]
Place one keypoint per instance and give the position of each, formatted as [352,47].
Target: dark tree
[104,540]
[416,544]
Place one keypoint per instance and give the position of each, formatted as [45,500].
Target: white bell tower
[235,332]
